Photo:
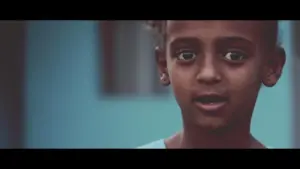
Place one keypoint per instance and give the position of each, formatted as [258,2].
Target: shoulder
[158,144]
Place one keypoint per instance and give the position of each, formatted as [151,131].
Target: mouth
[211,102]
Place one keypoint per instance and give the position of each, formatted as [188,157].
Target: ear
[161,61]
[274,67]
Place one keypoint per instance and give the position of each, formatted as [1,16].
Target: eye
[186,55]
[235,56]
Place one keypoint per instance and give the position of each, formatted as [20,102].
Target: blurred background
[83,84]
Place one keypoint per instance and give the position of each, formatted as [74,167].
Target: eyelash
[224,55]
[185,51]
[240,53]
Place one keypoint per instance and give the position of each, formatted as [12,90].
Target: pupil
[188,55]
[235,56]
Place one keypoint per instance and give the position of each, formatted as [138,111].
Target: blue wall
[273,118]
[64,108]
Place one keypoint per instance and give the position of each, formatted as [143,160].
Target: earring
[163,77]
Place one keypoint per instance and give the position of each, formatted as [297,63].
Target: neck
[234,137]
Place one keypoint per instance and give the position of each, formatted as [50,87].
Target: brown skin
[224,57]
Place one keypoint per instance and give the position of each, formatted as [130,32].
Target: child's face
[216,69]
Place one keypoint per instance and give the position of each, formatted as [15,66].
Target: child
[216,69]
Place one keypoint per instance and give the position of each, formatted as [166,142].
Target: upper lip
[221,96]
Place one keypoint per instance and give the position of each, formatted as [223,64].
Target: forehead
[250,30]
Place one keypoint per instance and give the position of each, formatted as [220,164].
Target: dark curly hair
[158,28]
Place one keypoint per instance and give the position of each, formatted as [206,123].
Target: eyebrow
[222,40]
[236,39]
[184,40]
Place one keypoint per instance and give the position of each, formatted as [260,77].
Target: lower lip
[211,107]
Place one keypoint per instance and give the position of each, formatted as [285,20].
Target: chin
[211,123]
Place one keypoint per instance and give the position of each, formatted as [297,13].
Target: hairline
[159,28]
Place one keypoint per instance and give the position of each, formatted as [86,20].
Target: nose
[208,71]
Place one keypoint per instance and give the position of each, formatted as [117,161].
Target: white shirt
[160,144]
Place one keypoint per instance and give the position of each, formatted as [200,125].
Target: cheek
[180,78]
[245,79]
[177,77]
